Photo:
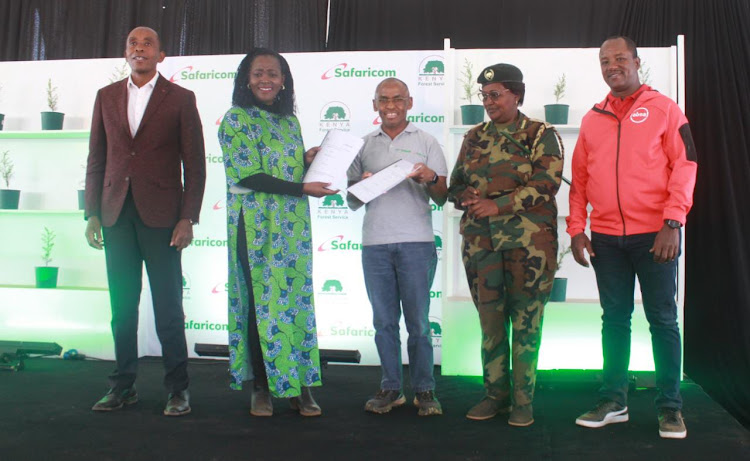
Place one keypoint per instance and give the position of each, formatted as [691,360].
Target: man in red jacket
[146,136]
[635,164]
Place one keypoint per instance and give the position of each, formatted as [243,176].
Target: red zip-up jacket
[635,172]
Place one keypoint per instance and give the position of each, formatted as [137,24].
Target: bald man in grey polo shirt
[398,254]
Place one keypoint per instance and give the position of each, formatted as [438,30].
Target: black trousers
[253,339]
[127,245]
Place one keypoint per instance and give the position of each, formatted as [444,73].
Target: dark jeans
[619,259]
[127,245]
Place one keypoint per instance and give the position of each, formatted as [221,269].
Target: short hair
[628,42]
[158,37]
[242,96]
[517,88]
[391,80]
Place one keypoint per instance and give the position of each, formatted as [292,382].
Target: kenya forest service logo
[439,245]
[335,116]
[639,115]
[191,73]
[338,243]
[436,329]
[343,70]
[185,286]
[332,292]
[332,285]
[431,71]
[333,207]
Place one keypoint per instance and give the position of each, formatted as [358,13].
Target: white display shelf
[46,134]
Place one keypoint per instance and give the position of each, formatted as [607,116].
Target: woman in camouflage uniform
[505,180]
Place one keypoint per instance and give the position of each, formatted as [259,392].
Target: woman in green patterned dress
[272,338]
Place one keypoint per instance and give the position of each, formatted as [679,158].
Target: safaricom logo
[189,73]
[338,243]
[343,71]
[209,242]
[639,115]
[419,118]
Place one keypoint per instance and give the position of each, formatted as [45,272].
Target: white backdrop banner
[334,90]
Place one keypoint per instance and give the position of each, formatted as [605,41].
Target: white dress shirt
[137,101]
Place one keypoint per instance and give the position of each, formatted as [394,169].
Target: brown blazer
[169,141]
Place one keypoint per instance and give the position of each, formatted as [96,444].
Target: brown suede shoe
[115,400]
[521,416]
[487,408]
[260,402]
[178,404]
[305,403]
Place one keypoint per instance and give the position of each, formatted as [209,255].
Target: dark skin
[503,109]
[142,52]
[620,71]
[266,80]
[315,189]
[392,103]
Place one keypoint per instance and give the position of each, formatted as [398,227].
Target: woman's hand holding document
[337,152]
[382,181]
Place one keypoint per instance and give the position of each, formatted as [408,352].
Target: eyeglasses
[492,95]
[397,101]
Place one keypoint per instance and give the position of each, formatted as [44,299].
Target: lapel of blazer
[121,102]
[160,91]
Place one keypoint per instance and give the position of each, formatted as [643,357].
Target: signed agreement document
[382,181]
[337,152]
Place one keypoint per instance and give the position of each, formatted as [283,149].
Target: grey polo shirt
[403,214]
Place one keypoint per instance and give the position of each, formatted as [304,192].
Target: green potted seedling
[2,116]
[644,73]
[82,189]
[560,285]
[52,120]
[8,197]
[119,73]
[471,114]
[557,114]
[46,276]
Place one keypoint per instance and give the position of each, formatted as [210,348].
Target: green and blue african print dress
[279,250]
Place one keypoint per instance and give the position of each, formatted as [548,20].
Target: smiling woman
[271,320]
[505,180]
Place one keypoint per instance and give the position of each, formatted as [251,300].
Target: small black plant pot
[559,290]
[9,199]
[52,120]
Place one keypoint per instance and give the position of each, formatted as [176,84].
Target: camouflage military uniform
[511,258]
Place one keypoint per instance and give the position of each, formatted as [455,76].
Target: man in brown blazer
[146,137]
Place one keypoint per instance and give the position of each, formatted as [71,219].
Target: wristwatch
[673,223]
[435,179]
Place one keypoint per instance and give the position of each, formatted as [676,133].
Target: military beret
[500,73]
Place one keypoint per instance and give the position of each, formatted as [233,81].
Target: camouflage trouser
[510,286]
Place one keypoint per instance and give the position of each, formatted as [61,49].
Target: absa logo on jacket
[639,115]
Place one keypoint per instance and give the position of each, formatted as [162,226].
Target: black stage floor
[45,415]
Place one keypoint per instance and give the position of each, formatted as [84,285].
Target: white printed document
[337,152]
[382,181]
